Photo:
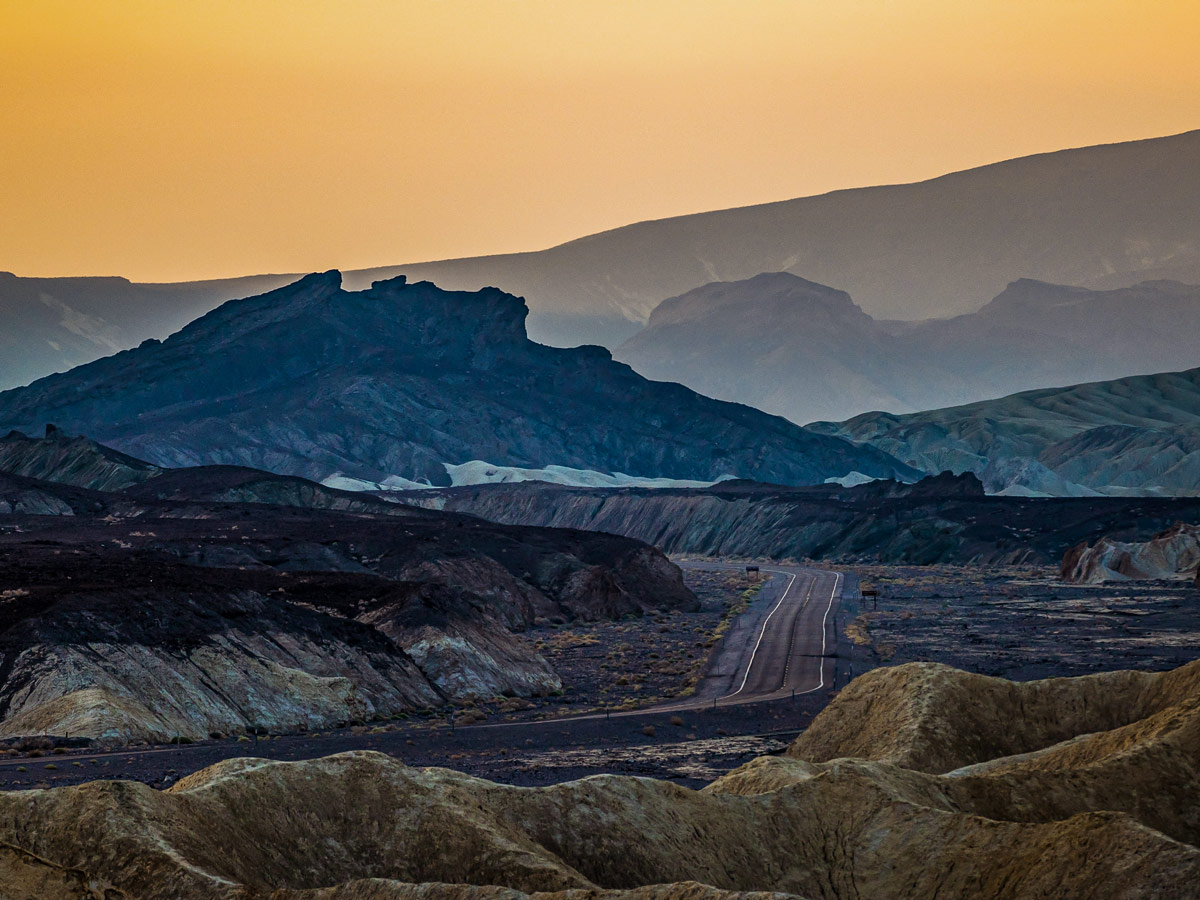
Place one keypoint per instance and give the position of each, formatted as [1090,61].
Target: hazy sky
[178,139]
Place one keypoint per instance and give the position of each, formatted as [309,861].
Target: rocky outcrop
[1173,554]
[1111,811]
[76,461]
[399,381]
[1137,436]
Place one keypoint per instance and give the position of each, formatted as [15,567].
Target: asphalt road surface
[784,649]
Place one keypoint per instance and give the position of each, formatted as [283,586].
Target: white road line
[754,653]
[824,630]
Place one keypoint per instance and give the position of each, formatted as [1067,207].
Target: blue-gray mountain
[808,352]
[1102,217]
[403,380]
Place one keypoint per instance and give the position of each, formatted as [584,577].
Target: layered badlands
[917,781]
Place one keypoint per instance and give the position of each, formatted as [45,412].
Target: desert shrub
[677,721]
[648,730]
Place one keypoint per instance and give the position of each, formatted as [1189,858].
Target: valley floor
[1019,623]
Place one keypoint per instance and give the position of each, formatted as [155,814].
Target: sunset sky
[176,140]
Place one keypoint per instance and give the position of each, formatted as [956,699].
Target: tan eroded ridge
[917,781]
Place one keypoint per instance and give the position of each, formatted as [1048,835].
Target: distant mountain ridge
[402,380]
[1103,217]
[806,351]
[1136,436]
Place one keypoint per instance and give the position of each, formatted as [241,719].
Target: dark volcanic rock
[400,379]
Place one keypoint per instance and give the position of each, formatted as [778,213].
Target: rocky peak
[477,327]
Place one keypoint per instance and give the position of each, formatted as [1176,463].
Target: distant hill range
[400,384]
[1103,217]
[808,352]
[1129,437]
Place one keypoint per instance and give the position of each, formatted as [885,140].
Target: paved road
[787,647]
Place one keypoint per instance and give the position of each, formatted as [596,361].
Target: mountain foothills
[1127,437]
[400,382]
[808,352]
[916,781]
[1101,217]
[220,599]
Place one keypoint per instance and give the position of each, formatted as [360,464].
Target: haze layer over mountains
[808,352]
[1103,217]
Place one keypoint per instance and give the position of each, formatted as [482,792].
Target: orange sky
[172,139]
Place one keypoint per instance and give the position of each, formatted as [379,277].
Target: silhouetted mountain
[1131,436]
[1103,217]
[401,380]
[806,351]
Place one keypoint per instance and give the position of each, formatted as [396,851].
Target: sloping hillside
[1131,436]
[221,599]
[1104,216]
[54,324]
[941,519]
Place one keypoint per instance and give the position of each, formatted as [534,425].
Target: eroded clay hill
[1101,800]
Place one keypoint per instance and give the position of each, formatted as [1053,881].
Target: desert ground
[1019,623]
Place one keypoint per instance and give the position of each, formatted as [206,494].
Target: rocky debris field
[1016,622]
[918,780]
